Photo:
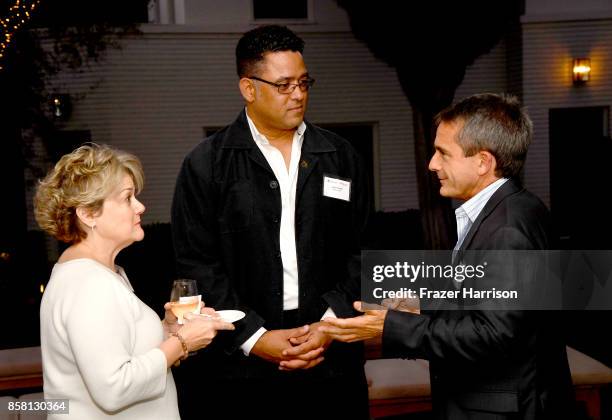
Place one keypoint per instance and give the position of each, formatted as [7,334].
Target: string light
[18,15]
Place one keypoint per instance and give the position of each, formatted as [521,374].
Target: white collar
[260,138]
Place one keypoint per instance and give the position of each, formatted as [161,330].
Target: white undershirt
[469,211]
[287,180]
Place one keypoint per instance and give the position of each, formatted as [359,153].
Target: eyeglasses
[286,88]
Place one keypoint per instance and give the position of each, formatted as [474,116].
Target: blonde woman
[103,349]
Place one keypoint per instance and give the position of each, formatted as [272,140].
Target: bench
[20,368]
[398,386]
[22,415]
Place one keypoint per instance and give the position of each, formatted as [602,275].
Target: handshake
[295,348]
[303,347]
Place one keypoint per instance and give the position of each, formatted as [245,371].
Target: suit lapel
[256,156]
[509,188]
[308,161]
[314,144]
[239,137]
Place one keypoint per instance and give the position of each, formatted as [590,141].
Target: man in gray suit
[484,364]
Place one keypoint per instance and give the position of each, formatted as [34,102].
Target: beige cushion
[32,415]
[397,378]
[4,414]
[586,370]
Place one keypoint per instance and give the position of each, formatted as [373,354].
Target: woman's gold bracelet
[183,345]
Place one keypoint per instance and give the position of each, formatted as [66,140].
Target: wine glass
[184,298]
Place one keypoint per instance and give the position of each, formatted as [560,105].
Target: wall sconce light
[61,107]
[581,70]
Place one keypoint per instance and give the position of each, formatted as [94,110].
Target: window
[580,140]
[280,9]
[70,12]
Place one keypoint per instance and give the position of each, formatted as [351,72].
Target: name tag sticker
[337,188]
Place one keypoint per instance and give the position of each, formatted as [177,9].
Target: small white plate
[231,315]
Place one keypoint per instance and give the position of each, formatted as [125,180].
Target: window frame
[309,19]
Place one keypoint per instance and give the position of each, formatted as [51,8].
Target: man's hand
[403,304]
[308,349]
[271,344]
[360,328]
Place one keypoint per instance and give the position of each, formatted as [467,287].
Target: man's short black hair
[256,42]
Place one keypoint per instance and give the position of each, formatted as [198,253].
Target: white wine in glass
[184,298]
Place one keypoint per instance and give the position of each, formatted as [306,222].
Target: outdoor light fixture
[61,107]
[581,70]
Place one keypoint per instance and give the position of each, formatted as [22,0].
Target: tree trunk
[438,225]
[13,215]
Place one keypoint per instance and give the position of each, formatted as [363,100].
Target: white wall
[548,50]
[154,97]
[538,10]
[214,13]
[487,74]
[238,15]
